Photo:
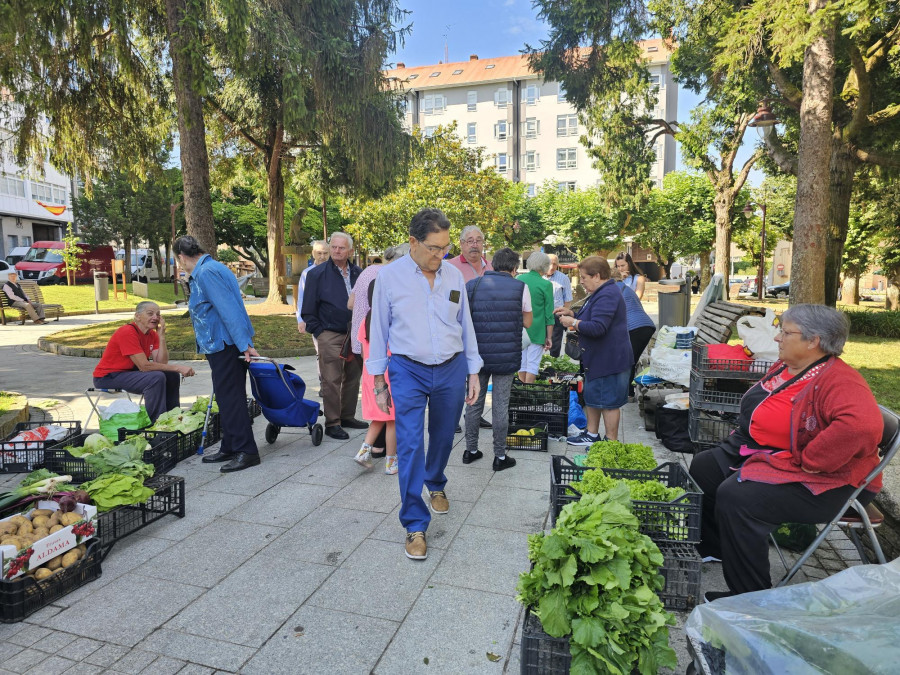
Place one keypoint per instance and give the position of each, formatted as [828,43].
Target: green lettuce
[114,489]
[125,458]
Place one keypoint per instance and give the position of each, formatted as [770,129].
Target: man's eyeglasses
[782,331]
[437,250]
[471,241]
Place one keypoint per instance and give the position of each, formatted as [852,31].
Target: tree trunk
[850,290]
[184,36]
[704,271]
[811,207]
[127,261]
[723,205]
[275,224]
[892,295]
[843,170]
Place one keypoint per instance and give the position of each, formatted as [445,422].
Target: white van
[17,254]
[145,263]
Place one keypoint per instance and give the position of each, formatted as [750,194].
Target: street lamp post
[764,122]
[749,210]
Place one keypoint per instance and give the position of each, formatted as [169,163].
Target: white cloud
[520,24]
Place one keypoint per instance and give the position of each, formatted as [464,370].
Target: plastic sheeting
[846,624]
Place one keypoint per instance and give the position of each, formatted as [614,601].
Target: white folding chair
[852,517]
[95,395]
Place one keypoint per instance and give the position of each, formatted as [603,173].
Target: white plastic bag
[758,334]
[672,365]
[120,405]
[846,623]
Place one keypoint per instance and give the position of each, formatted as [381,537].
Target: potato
[42,573]
[54,518]
[25,527]
[40,533]
[18,520]
[54,563]
[39,521]
[70,518]
[83,549]
[69,558]
[56,528]
[11,540]
[7,527]
[42,512]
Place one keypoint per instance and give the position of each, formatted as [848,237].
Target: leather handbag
[573,350]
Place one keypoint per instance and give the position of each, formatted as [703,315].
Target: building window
[531,160]
[566,186]
[531,94]
[458,71]
[12,186]
[470,132]
[434,104]
[655,81]
[530,190]
[561,94]
[404,105]
[435,73]
[501,97]
[501,130]
[652,49]
[26,241]
[413,76]
[531,127]
[489,66]
[47,192]
[472,101]
[11,241]
[429,132]
[567,158]
[502,163]
[567,125]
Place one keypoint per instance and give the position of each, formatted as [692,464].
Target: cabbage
[92,443]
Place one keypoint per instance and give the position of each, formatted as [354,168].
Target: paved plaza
[297,565]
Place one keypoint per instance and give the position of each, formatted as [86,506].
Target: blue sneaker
[583,439]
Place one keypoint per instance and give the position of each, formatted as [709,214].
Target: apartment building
[31,209]
[529,129]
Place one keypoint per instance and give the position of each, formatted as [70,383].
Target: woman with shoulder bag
[601,329]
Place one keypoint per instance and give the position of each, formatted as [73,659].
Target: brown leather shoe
[416,548]
[439,502]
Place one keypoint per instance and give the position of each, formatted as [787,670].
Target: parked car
[16,254]
[748,288]
[779,291]
[44,262]
[144,263]
[5,269]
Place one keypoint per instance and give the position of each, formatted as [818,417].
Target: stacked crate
[717,386]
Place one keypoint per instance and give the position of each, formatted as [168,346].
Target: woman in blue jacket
[602,329]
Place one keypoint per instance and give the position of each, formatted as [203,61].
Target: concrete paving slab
[252,481]
[327,536]
[485,559]
[55,642]
[336,469]
[251,604]
[283,505]
[191,563]
[84,668]
[196,669]
[205,507]
[29,635]
[315,640]
[106,655]
[215,654]
[526,474]
[82,648]
[24,660]
[377,580]
[498,505]
[9,650]
[134,661]
[125,611]
[467,482]
[441,530]
[370,490]
[454,629]
[163,665]
[54,665]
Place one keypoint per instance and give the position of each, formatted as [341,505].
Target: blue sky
[492,28]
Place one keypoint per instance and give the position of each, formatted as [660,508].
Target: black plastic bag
[672,429]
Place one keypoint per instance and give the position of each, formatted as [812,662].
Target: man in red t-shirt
[137,360]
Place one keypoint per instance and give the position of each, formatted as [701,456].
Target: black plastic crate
[681,569]
[26,456]
[168,498]
[542,654]
[537,442]
[57,459]
[709,430]
[532,405]
[24,596]
[734,369]
[678,520]
[710,399]
[185,444]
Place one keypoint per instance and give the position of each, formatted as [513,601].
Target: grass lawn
[80,298]
[5,401]
[877,360]
[272,332]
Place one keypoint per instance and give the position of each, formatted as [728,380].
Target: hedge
[884,324]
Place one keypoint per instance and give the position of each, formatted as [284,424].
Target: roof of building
[482,71]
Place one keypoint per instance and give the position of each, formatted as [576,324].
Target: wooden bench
[33,291]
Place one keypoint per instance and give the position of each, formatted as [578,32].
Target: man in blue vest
[500,306]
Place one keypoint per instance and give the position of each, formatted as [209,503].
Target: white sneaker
[390,465]
[364,456]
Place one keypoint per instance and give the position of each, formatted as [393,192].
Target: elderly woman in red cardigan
[808,435]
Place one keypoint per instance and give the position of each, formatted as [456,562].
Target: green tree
[581,219]
[70,255]
[297,91]
[444,173]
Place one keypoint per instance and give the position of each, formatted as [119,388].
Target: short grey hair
[539,262]
[346,237]
[391,253]
[321,243]
[828,324]
[468,229]
[144,305]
